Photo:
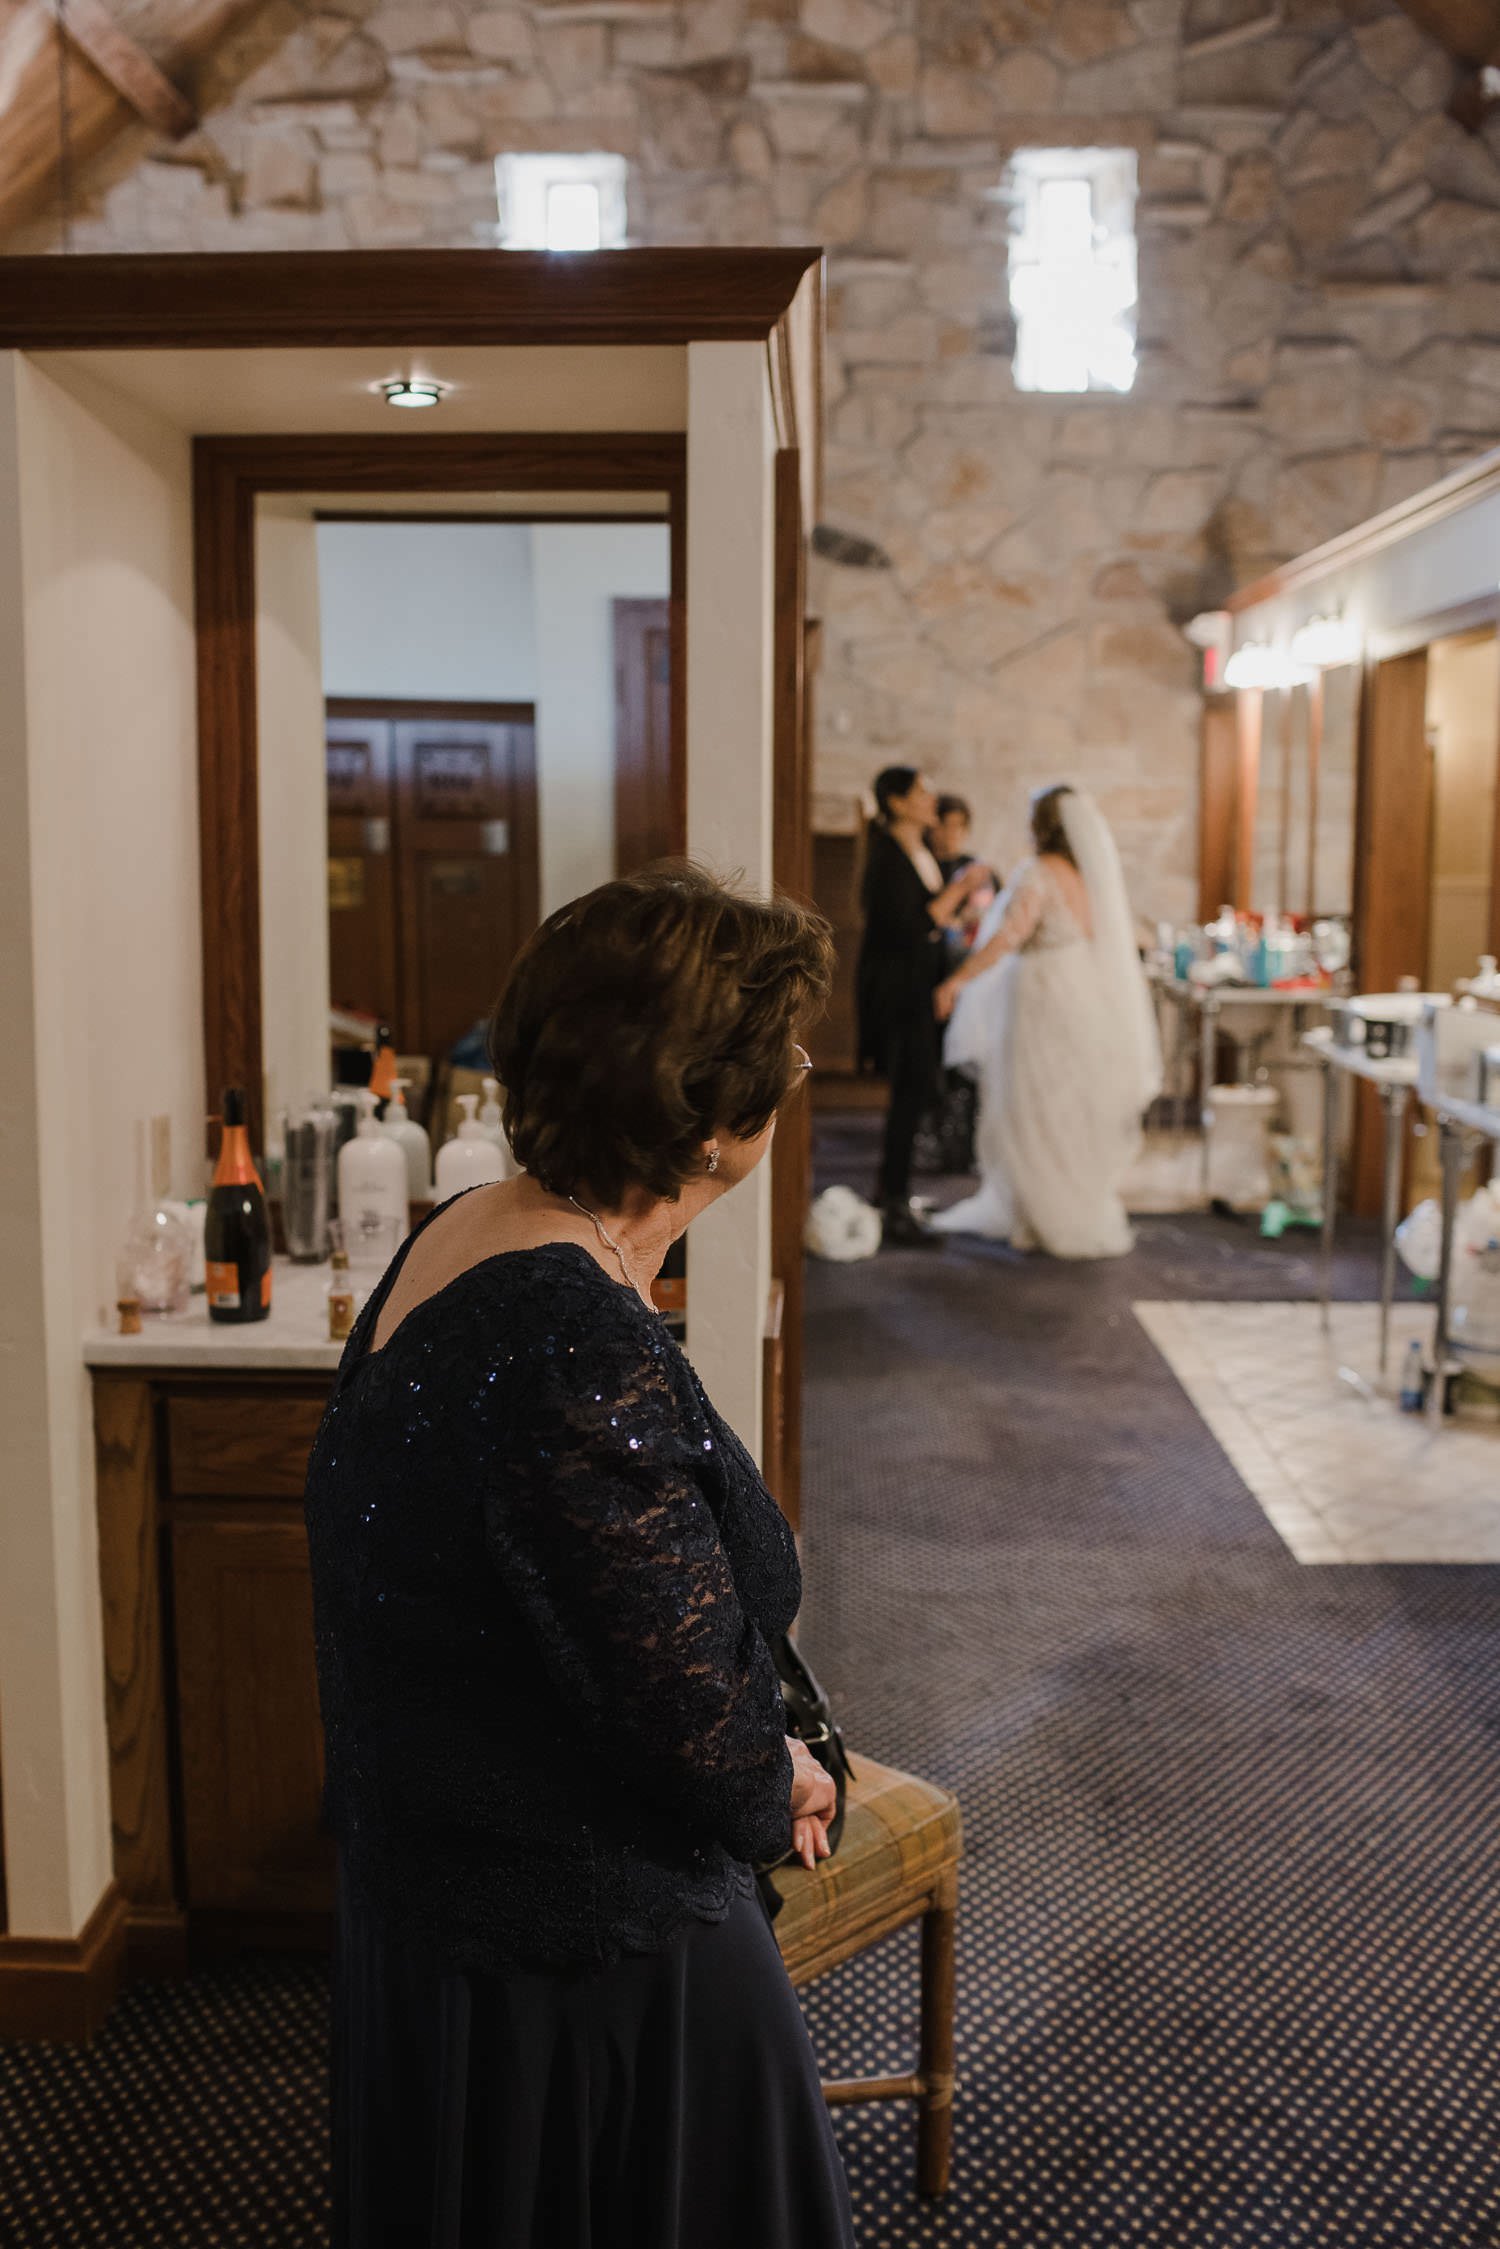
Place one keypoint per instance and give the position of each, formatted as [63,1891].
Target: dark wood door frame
[229,474]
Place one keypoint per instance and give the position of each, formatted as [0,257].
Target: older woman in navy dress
[545,1574]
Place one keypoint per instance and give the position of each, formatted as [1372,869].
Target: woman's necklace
[608,1240]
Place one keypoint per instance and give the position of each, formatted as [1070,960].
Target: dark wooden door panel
[838,866]
[251,1741]
[646,825]
[467,863]
[361,867]
[1393,871]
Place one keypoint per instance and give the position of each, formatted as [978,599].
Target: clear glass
[371,1239]
[307,1182]
[155,1264]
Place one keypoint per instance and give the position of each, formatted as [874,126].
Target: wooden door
[250,1739]
[362,943]
[647,823]
[837,871]
[466,860]
[1392,868]
[1218,795]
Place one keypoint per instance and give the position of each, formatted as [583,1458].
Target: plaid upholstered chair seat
[897,1862]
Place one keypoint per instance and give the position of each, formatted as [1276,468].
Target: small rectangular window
[561,202]
[1072,268]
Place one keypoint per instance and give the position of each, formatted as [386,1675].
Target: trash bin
[1239,1165]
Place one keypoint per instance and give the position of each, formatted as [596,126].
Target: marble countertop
[294,1339]
[1236,995]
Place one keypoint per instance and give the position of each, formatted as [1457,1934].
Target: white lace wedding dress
[1060,1035]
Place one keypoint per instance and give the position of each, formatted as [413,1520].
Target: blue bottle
[1412,1384]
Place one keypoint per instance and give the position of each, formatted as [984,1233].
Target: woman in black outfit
[907,907]
[545,1572]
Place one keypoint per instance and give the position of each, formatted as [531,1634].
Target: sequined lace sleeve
[599,1521]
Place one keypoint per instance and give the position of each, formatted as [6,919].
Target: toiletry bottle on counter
[341,1300]
[411,1140]
[1413,1385]
[372,1190]
[470,1158]
[491,1122]
[236,1229]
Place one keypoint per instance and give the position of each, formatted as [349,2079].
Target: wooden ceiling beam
[125,64]
[1469,29]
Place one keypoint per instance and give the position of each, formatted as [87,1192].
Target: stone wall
[1320,307]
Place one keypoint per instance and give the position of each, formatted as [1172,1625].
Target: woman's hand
[810,1842]
[945,998]
[814,1802]
[813,1793]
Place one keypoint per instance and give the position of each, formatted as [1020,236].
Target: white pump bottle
[372,1190]
[470,1158]
[411,1140]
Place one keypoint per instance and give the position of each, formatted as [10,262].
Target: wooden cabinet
[250,1746]
[214,1735]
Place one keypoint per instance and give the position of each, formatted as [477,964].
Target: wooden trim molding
[261,300]
[791,869]
[1475,481]
[228,474]
[63,1987]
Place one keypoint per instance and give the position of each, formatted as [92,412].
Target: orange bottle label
[223,1285]
[265,1288]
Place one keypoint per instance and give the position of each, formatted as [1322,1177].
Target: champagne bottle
[237,1232]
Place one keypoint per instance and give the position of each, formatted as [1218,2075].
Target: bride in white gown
[1052,1012]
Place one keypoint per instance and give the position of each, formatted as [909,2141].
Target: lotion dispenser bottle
[492,1124]
[411,1140]
[470,1158]
[372,1190]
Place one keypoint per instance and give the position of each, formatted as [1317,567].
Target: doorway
[1428,902]
[433,878]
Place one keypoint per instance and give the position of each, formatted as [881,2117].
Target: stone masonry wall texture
[1319,324]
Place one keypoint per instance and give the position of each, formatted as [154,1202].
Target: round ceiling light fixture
[413,391]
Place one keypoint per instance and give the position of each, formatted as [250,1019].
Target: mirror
[1307,772]
[465,720]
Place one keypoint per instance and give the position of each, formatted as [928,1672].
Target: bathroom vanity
[202,1434]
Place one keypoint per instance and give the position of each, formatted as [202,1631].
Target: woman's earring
[713,1159]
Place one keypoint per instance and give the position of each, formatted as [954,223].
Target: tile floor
[1342,1474]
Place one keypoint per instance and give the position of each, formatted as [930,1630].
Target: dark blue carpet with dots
[1230,1965]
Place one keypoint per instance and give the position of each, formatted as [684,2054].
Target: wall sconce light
[1252,664]
[1255,663]
[1325,642]
[413,391]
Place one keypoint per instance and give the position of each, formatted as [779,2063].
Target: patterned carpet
[1229,1958]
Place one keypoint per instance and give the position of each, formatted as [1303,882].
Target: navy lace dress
[544,1573]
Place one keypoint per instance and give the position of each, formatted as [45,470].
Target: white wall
[293,805]
[100,1025]
[730,635]
[436,610]
[578,571]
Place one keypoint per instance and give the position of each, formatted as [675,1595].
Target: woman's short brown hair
[644,1017]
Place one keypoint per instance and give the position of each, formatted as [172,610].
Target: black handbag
[809,1715]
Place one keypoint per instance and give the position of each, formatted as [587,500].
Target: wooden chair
[897,1862]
